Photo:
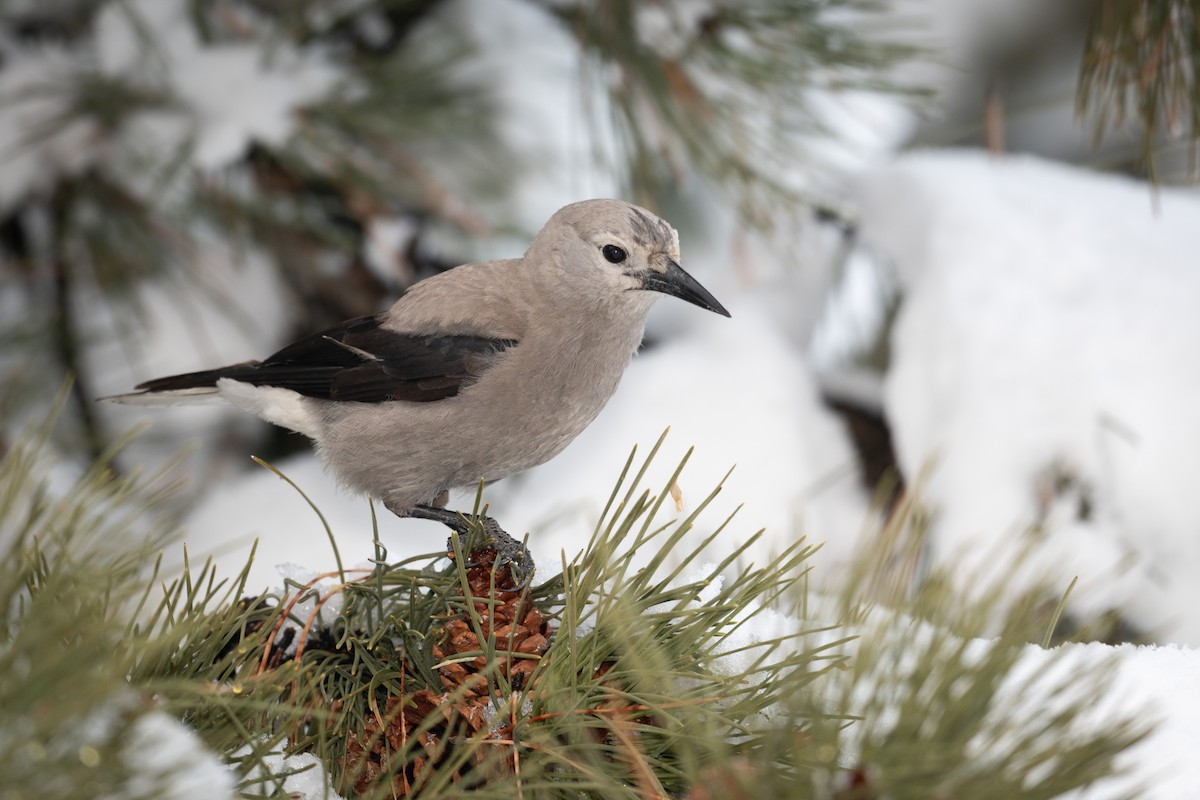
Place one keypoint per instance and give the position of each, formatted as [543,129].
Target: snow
[1046,370]
[161,756]
[305,778]
[1154,686]
[168,760]
[556,130]
[230,93]
[1159,684]
[217,97]
[32,159]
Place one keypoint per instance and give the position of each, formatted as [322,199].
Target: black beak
[678,283]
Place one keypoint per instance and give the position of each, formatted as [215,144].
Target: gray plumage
[477,373]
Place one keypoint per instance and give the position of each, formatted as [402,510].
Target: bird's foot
[494,549]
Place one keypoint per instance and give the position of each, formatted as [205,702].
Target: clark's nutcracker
[477,373]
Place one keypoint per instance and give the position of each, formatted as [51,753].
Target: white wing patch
[281,407]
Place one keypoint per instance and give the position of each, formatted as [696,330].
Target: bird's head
[609,249]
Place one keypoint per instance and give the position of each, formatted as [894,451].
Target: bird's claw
[511,553]
[477,540]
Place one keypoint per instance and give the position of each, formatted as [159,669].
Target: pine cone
[368,753]
[461,709]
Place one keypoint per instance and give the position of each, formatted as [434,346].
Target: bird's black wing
[362,361]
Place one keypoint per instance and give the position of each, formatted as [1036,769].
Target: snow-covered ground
[1046,371]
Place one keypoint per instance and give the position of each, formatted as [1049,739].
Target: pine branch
[71,565]
[1142,63]
[620,681]
[66,339]
[615,678]
[729,93]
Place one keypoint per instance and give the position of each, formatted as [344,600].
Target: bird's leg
[508,550]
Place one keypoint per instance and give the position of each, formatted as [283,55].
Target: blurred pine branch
[731,90]
[1141,64]
[119,185]
[74,561]
[124,193]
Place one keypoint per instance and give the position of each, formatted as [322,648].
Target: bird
[476,373]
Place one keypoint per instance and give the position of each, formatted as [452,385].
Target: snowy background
[1040,319]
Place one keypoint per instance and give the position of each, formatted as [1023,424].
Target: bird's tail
[190,387]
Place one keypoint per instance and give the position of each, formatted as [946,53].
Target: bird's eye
[613,253]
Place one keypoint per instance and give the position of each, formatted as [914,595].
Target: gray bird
[477,373]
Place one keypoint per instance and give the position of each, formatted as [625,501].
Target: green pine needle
[661,679]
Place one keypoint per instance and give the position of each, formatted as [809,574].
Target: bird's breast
[550,388]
